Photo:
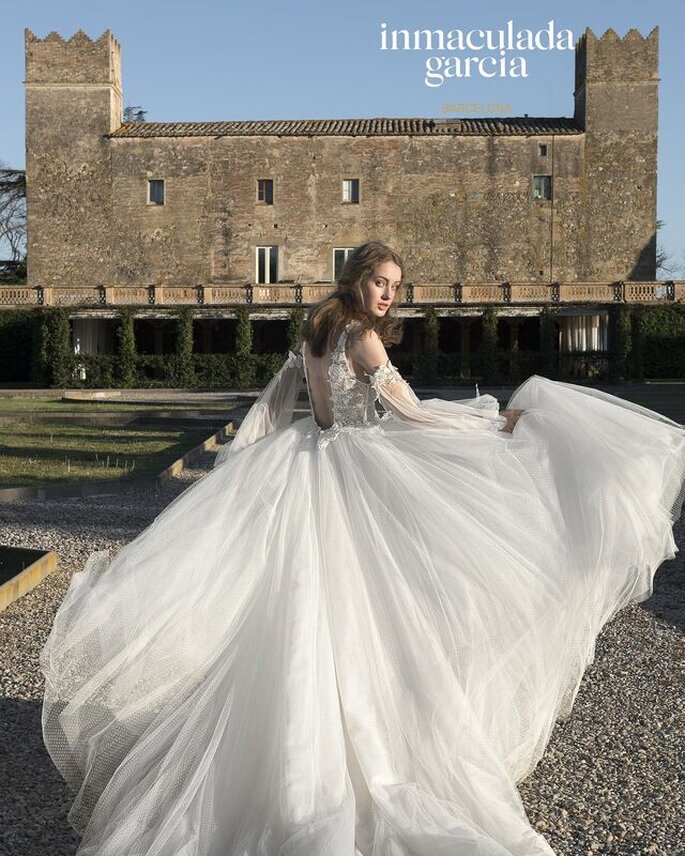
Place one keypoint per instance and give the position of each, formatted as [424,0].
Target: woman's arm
[512,417]
[272,410]
[397,396]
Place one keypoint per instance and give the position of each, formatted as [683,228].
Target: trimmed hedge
[159,371]
[620,342]
[658,342]
[487,356]
[647,342]
[19,338]
[183,367]
[426,364]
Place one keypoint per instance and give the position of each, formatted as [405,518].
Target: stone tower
[616,102]
[73,98]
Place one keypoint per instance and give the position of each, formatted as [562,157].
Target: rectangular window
[542,187]
[584,332]
[350,190]
[542,150]
[265,190]
[267,265]
[155,191]
[340,255]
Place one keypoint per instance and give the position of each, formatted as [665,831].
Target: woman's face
[379,290]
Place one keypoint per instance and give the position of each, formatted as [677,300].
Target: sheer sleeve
[399,399]
[401,402]
[272,410]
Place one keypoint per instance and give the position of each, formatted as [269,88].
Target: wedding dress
[355,640]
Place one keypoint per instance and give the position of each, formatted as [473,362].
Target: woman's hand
[512,417]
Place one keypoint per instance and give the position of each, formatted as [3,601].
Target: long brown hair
[327,318]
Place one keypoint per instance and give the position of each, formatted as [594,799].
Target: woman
[354,636]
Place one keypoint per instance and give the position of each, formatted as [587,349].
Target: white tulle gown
[356,641]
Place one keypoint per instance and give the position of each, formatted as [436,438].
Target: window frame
[271,258]
[152,202]
[549,182]
[354,184]
[271,186]
[346,251]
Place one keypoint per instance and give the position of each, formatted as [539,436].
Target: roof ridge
[374,126]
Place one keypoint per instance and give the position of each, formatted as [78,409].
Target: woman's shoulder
[358,332]
[367,349]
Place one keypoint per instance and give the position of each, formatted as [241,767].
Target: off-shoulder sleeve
[400,400]
[272,410]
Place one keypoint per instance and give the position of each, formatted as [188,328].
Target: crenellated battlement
[77,60]
[611,36]
[612,57]
[79,38]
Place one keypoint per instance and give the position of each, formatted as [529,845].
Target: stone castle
[518,212]
[454,196]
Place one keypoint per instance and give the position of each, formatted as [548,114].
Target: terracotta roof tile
[494,126]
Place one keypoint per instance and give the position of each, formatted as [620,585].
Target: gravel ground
[612,779]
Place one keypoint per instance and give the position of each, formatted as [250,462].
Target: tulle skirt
[357,650]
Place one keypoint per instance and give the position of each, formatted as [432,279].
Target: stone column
[159,337]
[514,324]
[465,327]
[207,336]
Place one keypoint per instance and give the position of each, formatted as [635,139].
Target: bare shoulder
[367,349]
[359,335]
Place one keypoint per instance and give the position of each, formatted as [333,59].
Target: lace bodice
[353,401]
[349,402]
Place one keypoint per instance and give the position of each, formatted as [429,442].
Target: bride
[354,635]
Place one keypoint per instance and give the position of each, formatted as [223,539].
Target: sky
[211,60]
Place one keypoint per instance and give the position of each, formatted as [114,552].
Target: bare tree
[13,220]
[134,114]
[664,260]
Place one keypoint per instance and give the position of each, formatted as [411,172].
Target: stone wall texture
[458,207]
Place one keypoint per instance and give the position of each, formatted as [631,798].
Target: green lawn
[32,454]
[40,453]
[57,405]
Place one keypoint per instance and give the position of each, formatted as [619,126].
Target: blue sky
[212,60]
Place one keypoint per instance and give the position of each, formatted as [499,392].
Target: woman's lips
[383,305]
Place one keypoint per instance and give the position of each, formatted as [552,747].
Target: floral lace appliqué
[383,374]
[352,400]
[325,435]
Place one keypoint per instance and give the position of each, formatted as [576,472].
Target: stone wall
[617,104]
[457,208]
[73,100]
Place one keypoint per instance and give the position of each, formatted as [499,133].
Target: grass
[57,405]
[40,453]
[33,454]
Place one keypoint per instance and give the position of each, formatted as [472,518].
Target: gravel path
[612,779]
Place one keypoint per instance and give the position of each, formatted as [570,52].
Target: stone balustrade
[293,294]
